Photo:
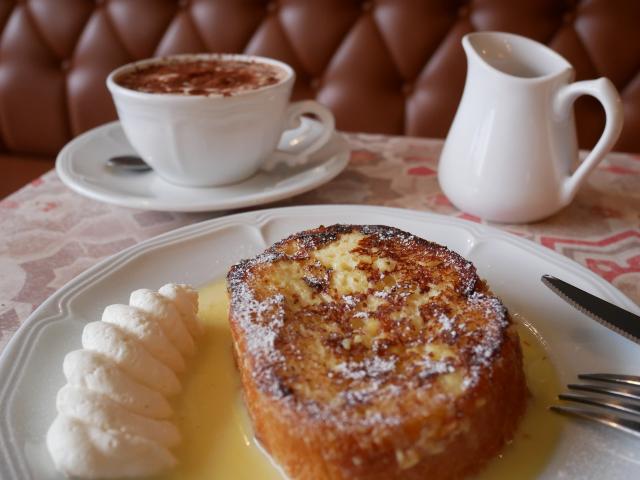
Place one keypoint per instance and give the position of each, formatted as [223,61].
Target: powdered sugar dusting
[428,367]
[371,367]
[364,372]
[261,321]
[446,323]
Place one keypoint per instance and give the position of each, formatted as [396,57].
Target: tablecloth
[49,234]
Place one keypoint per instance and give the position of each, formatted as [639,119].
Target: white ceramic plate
[81,165]
[30,367]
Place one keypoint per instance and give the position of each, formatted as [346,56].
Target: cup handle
[604,91]
[292,120]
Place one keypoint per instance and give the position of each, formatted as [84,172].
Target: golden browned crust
[368,353]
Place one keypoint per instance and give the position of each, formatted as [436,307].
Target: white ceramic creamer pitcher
[511,151]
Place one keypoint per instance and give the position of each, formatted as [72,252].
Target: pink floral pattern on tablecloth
[48,234]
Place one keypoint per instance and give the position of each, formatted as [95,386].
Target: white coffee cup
[212,140]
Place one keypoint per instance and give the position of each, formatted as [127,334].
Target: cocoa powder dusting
[201,77]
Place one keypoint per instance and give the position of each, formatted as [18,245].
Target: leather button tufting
[569,17]
[405,61]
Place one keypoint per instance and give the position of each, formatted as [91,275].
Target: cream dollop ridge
[114,416]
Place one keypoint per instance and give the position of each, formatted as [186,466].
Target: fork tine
[622,392]
[628,426]
[630,380]
[611,404]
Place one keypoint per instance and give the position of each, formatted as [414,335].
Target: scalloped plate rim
[55,307]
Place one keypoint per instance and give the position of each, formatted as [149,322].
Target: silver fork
[618,395]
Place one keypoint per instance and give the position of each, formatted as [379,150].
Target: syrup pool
[217,438]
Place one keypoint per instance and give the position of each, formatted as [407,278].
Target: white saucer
[82,167]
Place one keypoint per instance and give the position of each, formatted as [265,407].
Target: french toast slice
[366,352]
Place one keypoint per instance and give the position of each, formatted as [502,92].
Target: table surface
[48,234]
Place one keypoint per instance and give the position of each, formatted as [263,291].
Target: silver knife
[611,316]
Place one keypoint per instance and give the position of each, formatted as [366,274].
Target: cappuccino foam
[202,77]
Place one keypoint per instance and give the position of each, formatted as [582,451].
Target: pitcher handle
[604,91]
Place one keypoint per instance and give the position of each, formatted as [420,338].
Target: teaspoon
[129,163]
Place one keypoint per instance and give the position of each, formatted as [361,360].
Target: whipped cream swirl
[114,416]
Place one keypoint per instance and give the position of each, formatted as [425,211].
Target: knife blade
[611,316]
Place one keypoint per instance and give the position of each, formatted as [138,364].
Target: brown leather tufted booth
[392,66]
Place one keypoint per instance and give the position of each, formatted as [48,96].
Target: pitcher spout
[512,57]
